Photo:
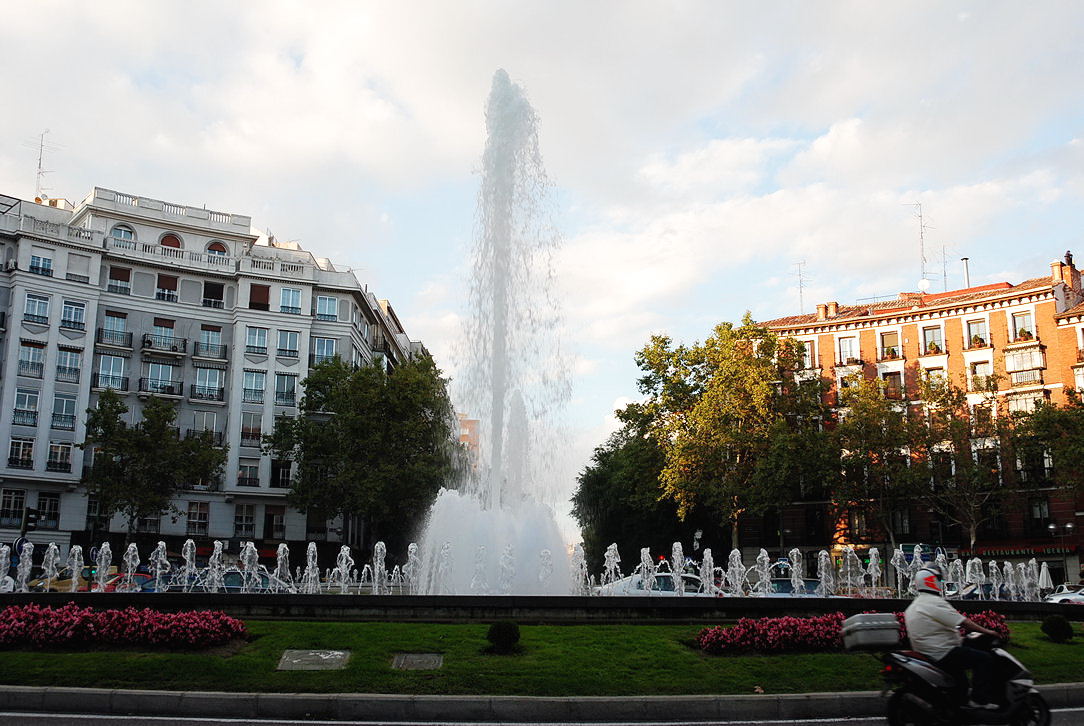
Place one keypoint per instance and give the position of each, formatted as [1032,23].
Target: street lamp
[1068,528]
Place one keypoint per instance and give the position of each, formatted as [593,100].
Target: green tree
[721,412]
[370,444]
[1058,432]
[139,470]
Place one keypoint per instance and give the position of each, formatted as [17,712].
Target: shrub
[41,626]
[1057,628]
[504,636]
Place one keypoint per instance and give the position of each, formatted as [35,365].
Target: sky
[698,150]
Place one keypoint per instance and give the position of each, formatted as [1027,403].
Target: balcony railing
[165,343]
[248,481]
[120,338]
[287,353]
[161,387]
[56,465]
[933,349]
[244,530]
[196,529]
[976,342]
[71,324]
[36,319]
[328,317]
[251,438]
[119,287]
[207,393]
[67,374]
[64,421]
[1027,378]
[20,462]
[289,310]
[41,270]
[31,368]
[102,380]
[217,437]
[316,359]
[285,398]
[213,302]
[252,395]
[256,349]
[165,295]
[24,417]
[849,361]
[891,352]
[209,350]
[74,277]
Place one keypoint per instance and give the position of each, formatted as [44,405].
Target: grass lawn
[568,660]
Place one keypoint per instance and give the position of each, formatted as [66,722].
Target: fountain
[22,571]
[281,580]
[764,574]
[514,378]
[411,569]
[975,575]
[677,568]
[131,564]
[825,574]
[797,572]
[74,563]
[161,567]
[310,579]
[851,573]
[735,574]
[507,572]
[995,579]
[188,572]
[707,572]
[344,564]
[545,569]
[379,572]
[611,573]
[250,567]
[899,565]
[874,569]
[102,563]
[48,565]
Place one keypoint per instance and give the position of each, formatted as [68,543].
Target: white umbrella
[1045,582]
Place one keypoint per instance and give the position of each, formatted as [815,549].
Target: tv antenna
[41,146]
[924,282]
[800,274]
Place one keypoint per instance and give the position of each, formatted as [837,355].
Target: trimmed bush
[1057,628]
[504,636]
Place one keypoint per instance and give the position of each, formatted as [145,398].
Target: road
[1062,717]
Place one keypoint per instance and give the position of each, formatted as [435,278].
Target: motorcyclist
[933,627]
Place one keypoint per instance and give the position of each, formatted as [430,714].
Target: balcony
[165,295]
[248,481]
[72,324]
[161,387]
[251,438]
[1026,378]
[119,287]
[20,462]
[849,361]
[164,343]
[67,374]
[327,317]
[289,310]
[31,368]
[285,398]
[252,395]
[196,529]
[256,349]
[288,353]
[173,256]
[102,380]
[41,270]
[64,421]
[24,417]
[57,465]
[73,277]
[976,342]
[891,352]
[244,530]
[216,437]
[894,393]
[209,350]
[212,302]
[206,393]
[933,349]
[316,359]
[118,338]
[36,319]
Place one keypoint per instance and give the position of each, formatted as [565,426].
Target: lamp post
[1068,529]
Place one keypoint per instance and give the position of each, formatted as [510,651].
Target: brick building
[1029,336]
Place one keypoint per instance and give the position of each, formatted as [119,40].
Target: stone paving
[313,660]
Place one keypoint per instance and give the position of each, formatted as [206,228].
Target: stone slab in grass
[313,660]
[417,661]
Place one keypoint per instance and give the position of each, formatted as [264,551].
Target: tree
[368,443]
[719,411]
[139,470]
[1058,432]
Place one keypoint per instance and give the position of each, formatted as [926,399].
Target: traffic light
[30,520]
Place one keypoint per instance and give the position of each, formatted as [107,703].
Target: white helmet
[928,579]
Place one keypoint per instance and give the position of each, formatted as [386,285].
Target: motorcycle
[925,695]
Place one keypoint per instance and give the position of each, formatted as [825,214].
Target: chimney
[1057,274]
[967,272]
[833,309]
[822,311]
[1070,275]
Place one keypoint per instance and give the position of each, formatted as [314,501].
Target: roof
[909,300]
[1075,310]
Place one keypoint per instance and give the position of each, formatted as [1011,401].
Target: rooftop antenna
[39,183]
[800,273]
[924,282]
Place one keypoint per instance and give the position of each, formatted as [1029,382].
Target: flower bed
[40,626]
[821,633]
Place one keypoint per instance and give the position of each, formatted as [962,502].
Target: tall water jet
[103,562]
[49,565]
[510,373]
[74,563]
[22,570]
[160,560]
[797,572]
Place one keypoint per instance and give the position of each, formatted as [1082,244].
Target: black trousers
[960,659]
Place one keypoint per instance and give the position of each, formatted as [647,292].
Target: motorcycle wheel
[901,712]
[1033,711]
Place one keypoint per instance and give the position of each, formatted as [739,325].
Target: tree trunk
[734,532]
[972,534]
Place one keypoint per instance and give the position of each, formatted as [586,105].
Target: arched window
[217,248]
[170,240]
[123,233]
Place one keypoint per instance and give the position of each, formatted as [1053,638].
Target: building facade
[1026,339]
[151,298]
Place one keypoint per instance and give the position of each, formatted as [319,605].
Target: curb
[507,709]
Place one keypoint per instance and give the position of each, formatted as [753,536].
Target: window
[982,419]
[848,351]
[78,268]
[244,520]
[935,375]
[48,510]
[251,428]
[893,384]
[166,288]
[149,525]
[254,386]
[68,365]
[901,521]
[327,308]
[26,407]
[890,346]
[31,359]
[37,309]
[1022,327]
[256,341]
[931,341]
[160,379]
[41,262]
[323,349]
[95,520]
[115,330]
[248,473]
[274,521]
[64,412]
[21,453]
[12,505]
[288,344]
[1038,514]
[290,301]
[217,248]
[210,342]
[204,421]
[1023,360]
[120,281]
[121,235]
[315,527]
[980,375]
[977,335]
[214,295]
[60,456]
[806,350]
[1024,404]
[170,240]
[74,315]
[280,474]
[111,373]
[857,524]
[208,385]
[259,297]
[198,516]
[285,389]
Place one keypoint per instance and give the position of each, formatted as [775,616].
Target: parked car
[63,581]
[1067,593]
[663,586]
[141,582]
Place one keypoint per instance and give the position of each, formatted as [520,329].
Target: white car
[1067,593]
[663,587]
